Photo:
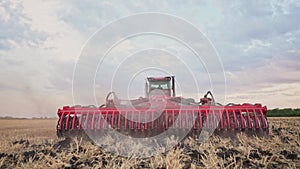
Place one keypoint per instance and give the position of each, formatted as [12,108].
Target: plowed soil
[33,144]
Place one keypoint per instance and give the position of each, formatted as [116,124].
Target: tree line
[287,112]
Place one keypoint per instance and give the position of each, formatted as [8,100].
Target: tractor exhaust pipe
[146,89]
[173,85]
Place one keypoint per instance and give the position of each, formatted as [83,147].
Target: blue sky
[40,41]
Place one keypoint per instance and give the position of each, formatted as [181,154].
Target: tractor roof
[167,78]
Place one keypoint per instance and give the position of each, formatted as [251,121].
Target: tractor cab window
[160,85]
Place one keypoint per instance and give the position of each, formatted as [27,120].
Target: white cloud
[294,51]
[274,83]
[15,28]
[256,44]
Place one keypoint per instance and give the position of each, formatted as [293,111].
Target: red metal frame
[175,117]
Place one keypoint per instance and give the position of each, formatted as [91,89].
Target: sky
[41,42]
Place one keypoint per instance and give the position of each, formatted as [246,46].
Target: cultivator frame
[245,117]
[139,119]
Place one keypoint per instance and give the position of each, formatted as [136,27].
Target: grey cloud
[61,76]
[255,20]
[238,30]
[15,29]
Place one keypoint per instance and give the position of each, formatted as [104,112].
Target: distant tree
[286,112]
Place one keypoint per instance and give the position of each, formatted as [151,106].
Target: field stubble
[33,144]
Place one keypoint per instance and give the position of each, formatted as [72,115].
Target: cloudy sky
[257,43]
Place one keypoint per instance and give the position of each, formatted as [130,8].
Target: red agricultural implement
[160,111]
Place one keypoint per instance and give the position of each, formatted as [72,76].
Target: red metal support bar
[242,119]
[235,120]
[200,118]
[80,121]
[61,120]
[67,122]
[214,119]
[255,119]
[221,119]
[207,118]
[228,119]
[249,119]
[74,121]
[262,116]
